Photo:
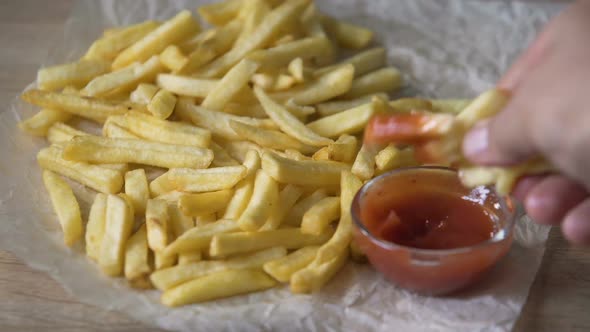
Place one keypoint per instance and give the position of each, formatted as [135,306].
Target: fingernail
[476,142]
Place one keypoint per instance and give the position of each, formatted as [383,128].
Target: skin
[548,115]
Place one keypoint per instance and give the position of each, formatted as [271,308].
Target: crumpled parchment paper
[445,48]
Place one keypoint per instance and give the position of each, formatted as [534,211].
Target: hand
[548,115]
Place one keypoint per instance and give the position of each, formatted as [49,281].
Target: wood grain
[32,301]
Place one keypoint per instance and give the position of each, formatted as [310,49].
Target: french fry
[239,149]
[317,218]
[112,130]
[230,85]
[343,150]
[136,188]
[198,204]
[199,237]
[287,198]
[162,185]
[170,32]
[205,219]
[186,86]
[283,268]
[346,34]
[143,93]
[260,37]
[171,197]
[75,74]
[301,112]
[98,178]
[157,222]
[314,276]
[364,164]
[39,124]
[94,109]
[241,242]
[124,79]
[118,228]
[297,70]
[189,257]
[243,192]
[336,106]
[110,45]
[162,261]
[179,222]
[118,150]
[295,215]
[264,198]
[170,277]
[453,106]
[221,157]
[202,180]
[173,58]
[252,13]
[95,226]
[346,122]
[281,55]
[162,104]
[392,157]
[411,104]
[302,172]
[269,138]
[65,206]
[382,80]
[61,132]
[484,106]
[288,122]
[364,62]
[137,268]
[220,13]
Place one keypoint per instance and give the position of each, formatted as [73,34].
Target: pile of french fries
[229,156]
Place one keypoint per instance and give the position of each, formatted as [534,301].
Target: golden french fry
[239,149]
[243,192]
[75,74]
[391,158]
[485,105]
[186,86]
[143,93]
[199,237]
[170,32]
[302,172]
[343,150]
[297,70]
[346,34]
[453,106]
[98,178]
[203,180]
[112,130]
[333,107]
[263,199]
[162,104]
[269,138]
[109,46]
[91,108]
[95,226]
[179,222]
[241,242]
[173,58]
[136,188]
[171,197]
[118,228]
[157,220]
[170,277]
[288,122]
[364,62]
[205,219]
[347,122]
[217,285]
[295,215]
[118,150]
[252,13]
[198,204]
[137,266]
[61,132]
[318,217]
[287,198]
[314,276]
[281,55]
[39,124]
[411,104]
[221,157]
[382,80]
[364,164]
[189,257]
[65,206]
[220,13]
[283,268]
[230,85]
[162,261]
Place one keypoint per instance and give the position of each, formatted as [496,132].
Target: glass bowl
[433,271]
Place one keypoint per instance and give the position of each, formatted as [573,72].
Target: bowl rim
[500,235]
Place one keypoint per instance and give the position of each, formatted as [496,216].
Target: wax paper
[445,49]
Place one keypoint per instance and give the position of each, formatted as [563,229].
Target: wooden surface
[32,301]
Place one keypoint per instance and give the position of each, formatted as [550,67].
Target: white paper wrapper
[446,49]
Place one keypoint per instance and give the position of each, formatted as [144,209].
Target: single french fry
[61,132]
[179,222]
[382,80]
[110,45]
[95,109]
[98,178]
[143,93]
[157,222]
[203,180]
[317,218]
[95,226]
[172,31]
[39,124]
[314,276]
[346,122]
[171,197]
[189,257]
[118,228]
[173,58]
[137,266]
[252,13]
[392,157]
[364,62]
[199,237]
[202,203]
[485,105]
[295,215]
[280,56]
[221,157]
[118,150]
[170,277]
[186,86]
[297,70]
[269,138]
[220,13]
[75,74]
[243,192]
[264,198]
[136,188]
[112,130]
[162,261]
[453,106]
[302,172]
[283,268]
[65,206]
[205,219]
[336,106]
[230,85]
[287,198]
[162,104]
[288,122]
[346,34]
[364,164]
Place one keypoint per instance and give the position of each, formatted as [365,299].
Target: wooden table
[32,301]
